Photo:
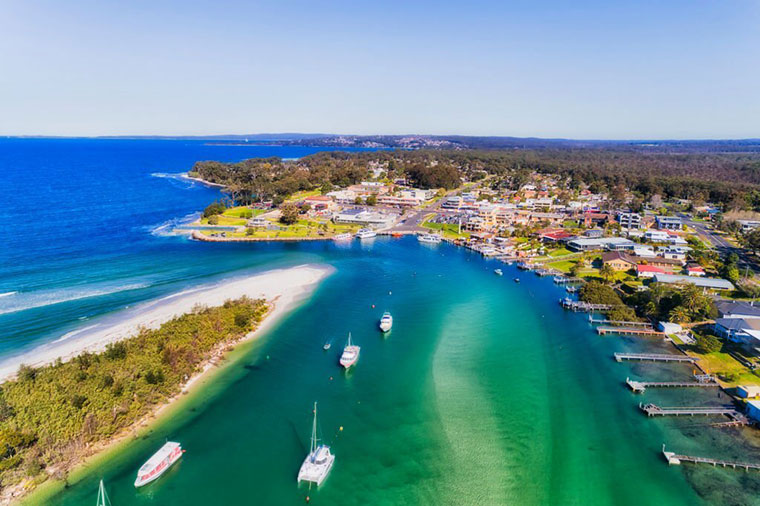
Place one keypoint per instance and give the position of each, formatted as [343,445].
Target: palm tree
[607,272]
[680,314]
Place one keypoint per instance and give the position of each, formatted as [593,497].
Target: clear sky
[602,69]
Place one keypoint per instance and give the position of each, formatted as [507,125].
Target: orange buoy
[307,498]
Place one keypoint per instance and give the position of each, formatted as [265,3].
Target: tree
[752,240]
[680,314]
[372,200]
[213,209]
[607,273]
[575,269]
[595,292]
[288,213]
[707,343]
[621,313]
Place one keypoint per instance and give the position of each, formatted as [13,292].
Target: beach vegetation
[213,209]
[50,415]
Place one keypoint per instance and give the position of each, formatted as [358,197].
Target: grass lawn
[242,212]
[562,265]
[560,252]
[723,364]
[302,228]
[448,230]
[303,194]
[227,221]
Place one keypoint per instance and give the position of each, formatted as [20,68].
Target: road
[719,242]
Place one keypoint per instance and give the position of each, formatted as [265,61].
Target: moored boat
[350,354]
[386,322]
[366,233]
[429,238]
[317,464]
[159,463]
[517,280]
[103,499]
[498,272]
[343,237]
[327,345]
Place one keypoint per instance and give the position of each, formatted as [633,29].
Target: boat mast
[102,497]
[314,431]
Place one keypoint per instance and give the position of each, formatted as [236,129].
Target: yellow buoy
[341,428]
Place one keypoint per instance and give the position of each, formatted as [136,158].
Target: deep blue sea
[85,227]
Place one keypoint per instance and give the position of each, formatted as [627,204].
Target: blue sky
[583,69]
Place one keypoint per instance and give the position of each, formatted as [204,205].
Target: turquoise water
[485,392]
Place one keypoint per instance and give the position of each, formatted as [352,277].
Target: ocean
[485,391]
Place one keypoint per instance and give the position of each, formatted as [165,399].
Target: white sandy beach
[283,287]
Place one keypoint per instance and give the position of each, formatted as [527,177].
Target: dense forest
[49,415]
[729,178]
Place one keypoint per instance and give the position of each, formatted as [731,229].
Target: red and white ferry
[158,464]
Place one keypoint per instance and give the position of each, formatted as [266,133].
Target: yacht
[327,345]
[159,463]
[366,233]
[386,322]
[343,237]
[350,354]
[317,464]
[429,238]
[498,272]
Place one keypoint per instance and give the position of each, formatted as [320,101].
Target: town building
[362,217]
[608,243]
[669,223]
[618,261]
[648,271]
[737,309]
[630,220]
[748,225]
[707,283]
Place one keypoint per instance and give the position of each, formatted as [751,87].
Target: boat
[158,464]
[317,464]
[350,354]
[366,233]
[327,345]
[103,499]
[343,237]
[429,238]
[498,272]
[517,280]
[571,289]
[386,322]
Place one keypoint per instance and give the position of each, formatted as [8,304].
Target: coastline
[197,236]
[202,181]
[213,367]
[285,284]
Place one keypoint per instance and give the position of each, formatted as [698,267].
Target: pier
[561,280]
[729,411]
[702,380]
[628,331]
[576,306]
[654,357]
[674,460]
[619,323]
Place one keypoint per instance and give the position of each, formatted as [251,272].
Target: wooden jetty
[702,380]
[729,411]
[675,459]
[654,357]
[562,280]
[576,305]
[629,331]
[619,323]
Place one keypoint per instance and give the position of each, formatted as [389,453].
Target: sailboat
[317,464]
[350,354]
[102,496]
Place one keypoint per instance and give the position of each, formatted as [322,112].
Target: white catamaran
[317,464]
[386,322]
[350,354]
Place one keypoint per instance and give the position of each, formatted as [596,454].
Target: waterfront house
[619,262]
[748,391]
[739,330]
[753,410]
[648,271]
[737,309]
[320,203]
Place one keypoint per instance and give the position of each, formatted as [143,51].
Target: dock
[619,323]
[562,280]
[629,331]
[729,411]
[675,459]
[702,380]
[576,306]
[654,357]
